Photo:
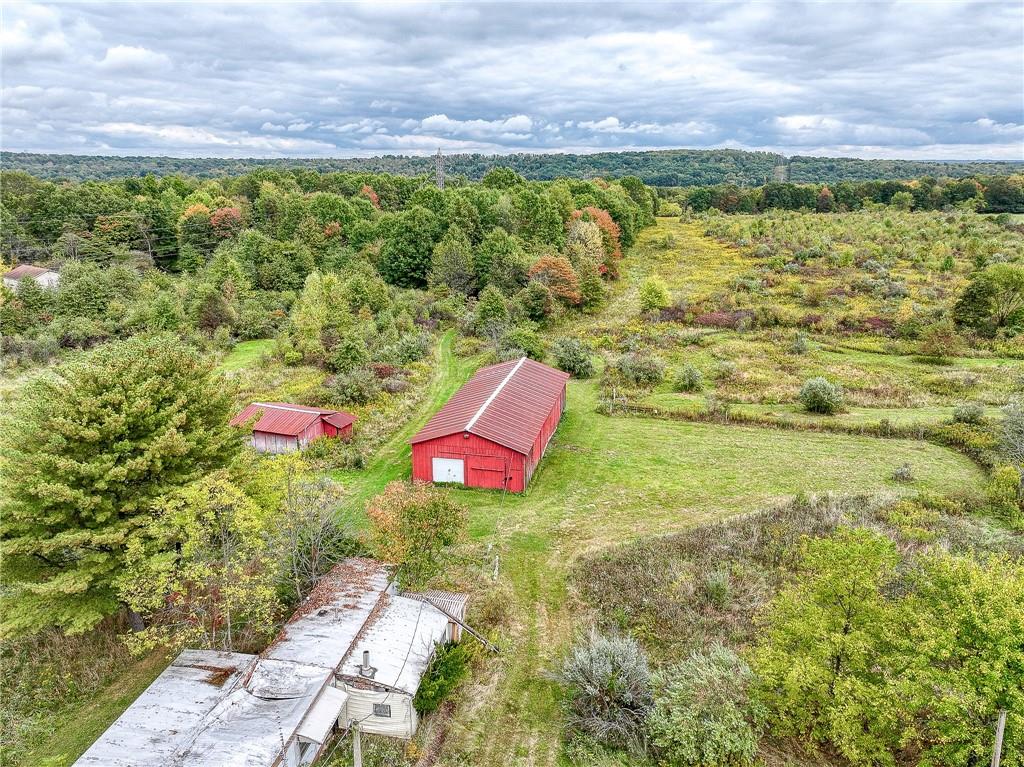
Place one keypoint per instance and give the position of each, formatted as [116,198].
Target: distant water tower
[439,168]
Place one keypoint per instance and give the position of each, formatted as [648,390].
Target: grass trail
[245,354]
[393,460]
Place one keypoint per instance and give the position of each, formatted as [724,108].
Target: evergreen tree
[87,454]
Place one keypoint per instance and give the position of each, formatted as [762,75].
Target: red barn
[494,430]
[284,428]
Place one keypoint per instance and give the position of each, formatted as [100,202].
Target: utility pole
[997,749]
[439,168]
[357,745]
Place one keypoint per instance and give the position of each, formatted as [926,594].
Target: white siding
[402,722]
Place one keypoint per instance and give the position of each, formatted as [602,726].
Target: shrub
[969,412]
[1002,496]
[356,387]
[819,395]
[689,378]
[653,295]
[412,347]
[519,341]
[411,525]
[610,689]
[799,345]
[716,588]
[447,669]
[702,713]
[903,473]
[572,356]
[640,369]
[725,370]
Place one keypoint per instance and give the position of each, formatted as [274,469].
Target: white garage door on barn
[449,470]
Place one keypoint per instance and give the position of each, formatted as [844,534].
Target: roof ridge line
[308,411]
[494,394]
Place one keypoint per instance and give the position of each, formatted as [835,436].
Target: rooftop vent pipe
[366,669]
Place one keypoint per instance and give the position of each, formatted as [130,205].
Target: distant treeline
[675,167]
[986,194]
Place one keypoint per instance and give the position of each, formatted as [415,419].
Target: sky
[916,80]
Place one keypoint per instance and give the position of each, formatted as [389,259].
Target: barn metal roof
[290,420]
[506,403]
[25,270]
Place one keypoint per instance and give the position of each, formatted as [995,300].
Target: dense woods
[671,167]
[319,261]
[988,194]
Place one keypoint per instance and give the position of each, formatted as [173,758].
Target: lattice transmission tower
[439,168]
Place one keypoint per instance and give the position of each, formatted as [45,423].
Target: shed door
[449,470]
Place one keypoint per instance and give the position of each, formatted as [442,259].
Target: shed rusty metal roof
[25,270]
[290,420]
[505,403]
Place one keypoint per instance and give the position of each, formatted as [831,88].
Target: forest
[779,524]
[670,167]
[986,194]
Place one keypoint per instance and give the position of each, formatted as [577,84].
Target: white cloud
[360,78]
[131,59]
[517,126]
[32,32]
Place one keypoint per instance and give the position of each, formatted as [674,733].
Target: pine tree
[87,454]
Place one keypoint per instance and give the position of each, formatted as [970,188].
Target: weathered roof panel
[287,419]
[164,716]
[252,724]
[401,639]
[506,403]
[324,627]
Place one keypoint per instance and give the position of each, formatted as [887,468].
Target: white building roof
[169,710]
[400,638]
[324,627]
[253,724]
[216,709]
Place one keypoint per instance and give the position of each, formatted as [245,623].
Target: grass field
[899,416]
[245,354]
[71,732]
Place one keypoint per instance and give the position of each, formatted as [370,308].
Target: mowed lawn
[245,354]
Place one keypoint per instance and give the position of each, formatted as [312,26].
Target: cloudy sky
[940,80]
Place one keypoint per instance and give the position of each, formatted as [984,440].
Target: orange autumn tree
[560,278]
[369,194]
[610,236]
[226,222]
[411,524]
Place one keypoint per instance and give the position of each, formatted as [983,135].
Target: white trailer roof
[400,637]
[253,724]
[324,627]
[217,709]
[169,710]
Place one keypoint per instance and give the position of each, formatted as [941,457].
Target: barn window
[382,709]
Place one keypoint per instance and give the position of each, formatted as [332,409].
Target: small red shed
[494,430]
[284,428]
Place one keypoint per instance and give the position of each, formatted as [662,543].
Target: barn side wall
[487,464]
[544,437]
[265,442]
